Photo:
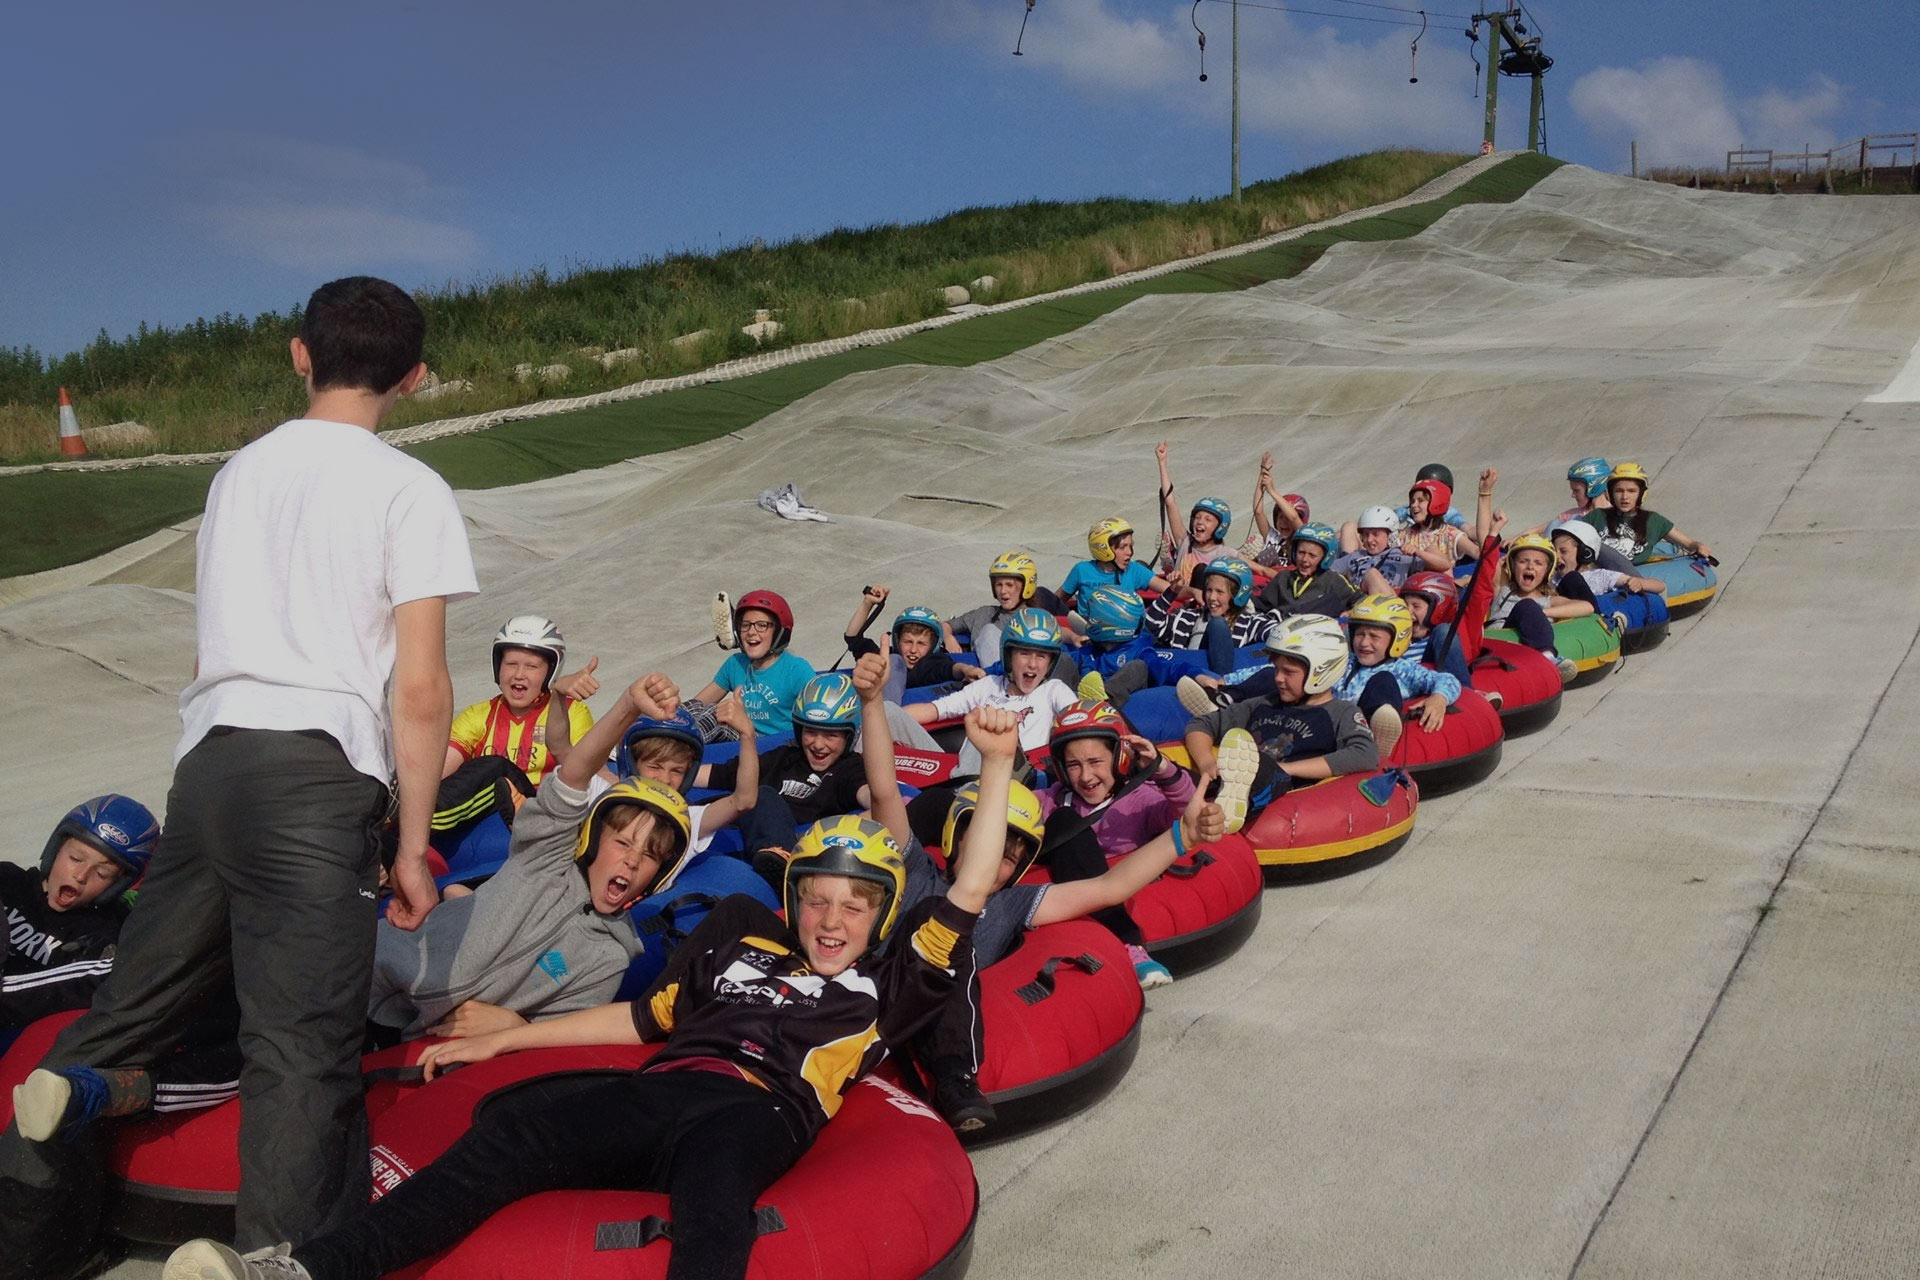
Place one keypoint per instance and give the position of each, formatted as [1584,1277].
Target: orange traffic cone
[72,443]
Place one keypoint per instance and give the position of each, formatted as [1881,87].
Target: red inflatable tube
[1200,909]
[24,1054]
[885,1193]
[1528,684]
[1463,750]
[1062,1014]
[1335,826]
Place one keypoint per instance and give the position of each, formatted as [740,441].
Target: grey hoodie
[528,940]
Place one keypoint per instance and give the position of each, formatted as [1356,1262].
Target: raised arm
[597,743]
[995,734]
[872,600]
[1483,514]
[746,777]
[888,806]
[1202,823]
[422,719]
[1167,504]
[1262,485]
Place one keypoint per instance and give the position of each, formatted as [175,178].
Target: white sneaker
[40,1103]
[722,609]
[1617,622]
[1386,726]
[1239,758]
[1567,668]
[1194,697]
[211,1260]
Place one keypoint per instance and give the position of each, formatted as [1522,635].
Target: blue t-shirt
[769,693]
[1455,517]
[1089,574]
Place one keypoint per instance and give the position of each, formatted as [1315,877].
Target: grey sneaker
[1194,697]
[211,1260]
[1239,760]
[1567,668]
[1386,726]
[722,609]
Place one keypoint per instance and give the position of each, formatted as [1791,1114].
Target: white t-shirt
[313,533]
[1036,710]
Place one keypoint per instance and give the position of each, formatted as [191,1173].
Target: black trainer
[957,1096]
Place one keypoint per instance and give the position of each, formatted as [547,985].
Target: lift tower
[1514,51]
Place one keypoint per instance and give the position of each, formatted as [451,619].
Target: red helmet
[1299,505]
[767,602]
[1440,589]
[1439,496]
[1087,718]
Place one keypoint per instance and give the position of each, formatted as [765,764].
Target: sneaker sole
[1194,697]
[1387,729]
[1154,981]
[722,612]
[1093,687]
[204,1260]
[1239,759]
[40,1103]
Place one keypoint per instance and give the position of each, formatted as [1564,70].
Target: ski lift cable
[1411,20]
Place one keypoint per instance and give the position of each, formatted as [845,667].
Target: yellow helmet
[1023,819]
[1016,564]
[1101,537]
[857,848]
[1534,542]
[1390,612]
[661,800]
[1629,471]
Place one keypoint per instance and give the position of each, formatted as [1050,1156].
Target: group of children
[882,943]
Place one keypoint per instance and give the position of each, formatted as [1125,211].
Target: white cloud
[315,206]
[1681,111]
[1332,83]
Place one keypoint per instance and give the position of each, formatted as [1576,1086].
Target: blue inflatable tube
[1646,616]
[1691,581]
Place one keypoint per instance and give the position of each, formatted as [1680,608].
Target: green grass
[215,384]
[133,504]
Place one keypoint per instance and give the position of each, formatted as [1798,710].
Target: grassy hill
[217,383]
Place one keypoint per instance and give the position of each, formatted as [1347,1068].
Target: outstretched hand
[579,685]
[870,676]
[1203,822]
[994,732]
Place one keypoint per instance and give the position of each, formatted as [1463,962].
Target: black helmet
[1436,471]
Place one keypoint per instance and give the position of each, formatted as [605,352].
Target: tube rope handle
[1043,982]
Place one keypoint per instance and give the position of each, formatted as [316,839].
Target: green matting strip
[49,519]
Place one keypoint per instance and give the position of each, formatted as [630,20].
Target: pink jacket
[1136,817]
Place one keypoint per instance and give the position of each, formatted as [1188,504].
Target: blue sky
[170,161]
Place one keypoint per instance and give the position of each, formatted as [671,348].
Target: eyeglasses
[755,626]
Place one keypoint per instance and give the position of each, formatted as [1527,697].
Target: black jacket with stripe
[55,960]
[739,989]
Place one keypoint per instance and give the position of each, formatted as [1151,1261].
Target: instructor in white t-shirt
[326,560]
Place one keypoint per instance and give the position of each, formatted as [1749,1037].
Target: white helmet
[1316,640]
[1377,518]
[535,634]
[1581,532]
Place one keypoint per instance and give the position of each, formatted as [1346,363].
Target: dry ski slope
[1639,1005]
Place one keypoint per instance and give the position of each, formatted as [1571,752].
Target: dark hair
[363,333]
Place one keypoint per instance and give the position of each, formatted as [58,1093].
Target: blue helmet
[827,702]
[1593,471]
[1113,614]
[1219,510]
[1032,629]
[120,827]
[916,616]
[1322,535]
[1236,569]
[678,727]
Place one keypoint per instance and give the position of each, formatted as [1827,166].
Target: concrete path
[1641,1004]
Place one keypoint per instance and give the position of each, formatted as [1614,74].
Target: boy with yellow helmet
[549,933]
[1014,577]
[1524,597]
[766,1023]
[1110,544]
[1383,674]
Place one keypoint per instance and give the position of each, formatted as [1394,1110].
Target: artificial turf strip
[48,519]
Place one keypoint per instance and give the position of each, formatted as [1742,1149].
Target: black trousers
[711,1143]
[266,875]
